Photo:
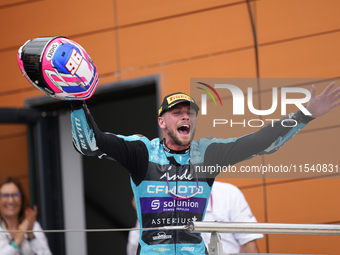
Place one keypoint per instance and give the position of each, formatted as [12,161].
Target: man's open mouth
[184,129]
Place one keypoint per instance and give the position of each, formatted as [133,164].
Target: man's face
[179,124]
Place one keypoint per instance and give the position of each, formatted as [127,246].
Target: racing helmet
[59,67]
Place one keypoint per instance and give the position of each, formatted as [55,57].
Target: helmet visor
[31,54]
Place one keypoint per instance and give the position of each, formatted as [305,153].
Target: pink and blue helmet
[59,67]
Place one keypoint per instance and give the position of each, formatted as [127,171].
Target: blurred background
[145,50]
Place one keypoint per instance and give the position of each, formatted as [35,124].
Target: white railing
[215,245]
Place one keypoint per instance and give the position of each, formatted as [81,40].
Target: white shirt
[37,245]
[227,203]
[133,240]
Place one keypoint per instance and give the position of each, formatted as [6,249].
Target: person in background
[227,203]
[133,238]
[15,214]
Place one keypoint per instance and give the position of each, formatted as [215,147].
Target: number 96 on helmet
[59,67]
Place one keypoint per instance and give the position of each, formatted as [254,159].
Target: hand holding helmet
[59,67]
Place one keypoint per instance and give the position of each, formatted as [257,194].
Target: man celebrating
[167,190]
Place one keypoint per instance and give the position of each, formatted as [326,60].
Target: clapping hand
[28,222]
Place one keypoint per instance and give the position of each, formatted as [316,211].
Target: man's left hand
[321,104]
